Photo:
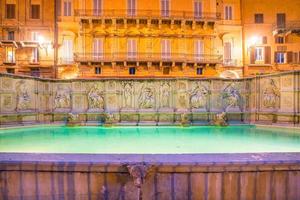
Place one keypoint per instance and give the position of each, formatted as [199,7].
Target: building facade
[271,36]
[26,37]
[140,38]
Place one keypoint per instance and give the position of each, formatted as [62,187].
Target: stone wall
[71,181]
[272,99]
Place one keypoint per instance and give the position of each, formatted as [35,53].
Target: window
[165,6]
[35,72]
[199,71]
[279,40]
[131,7]
[35,11]
[10,70]
[280,57]
[166,70]
[97,70]
[228,12]
[131,48]
[166,49]
[281,20]
[67,49]
[10,54]
[259,18]
[98,48]
[259,54]
[35,55]
[199,49]
[97,7]
[197,9]
[11,35]
[67,8]
[132,70]
[10,11]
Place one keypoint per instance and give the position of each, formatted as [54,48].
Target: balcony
[147,14]
[287,28]
[148,57]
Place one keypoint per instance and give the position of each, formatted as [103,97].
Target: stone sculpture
[146,98]
[271,95]
[198,97]
[62,98]
[231,97]
[165,94]
[109,119]
[127,94]
[95,98]
[220,119]
[72,119]
[23,97]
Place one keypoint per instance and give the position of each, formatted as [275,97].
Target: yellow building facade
[26,37]
[271,35]
[142,38]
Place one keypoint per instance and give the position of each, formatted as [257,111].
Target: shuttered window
[166,49]
[267,55]
[199,49]
[228,13]
[165,8]
[198,9]
[10,11]
[131,7]
[67,51]
[289,57]
[132,48]
[67,8]
[259,18]
[35,11]
[97,7]
[98,48]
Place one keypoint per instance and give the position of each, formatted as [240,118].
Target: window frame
[8,10]
[226,14]
[39,11]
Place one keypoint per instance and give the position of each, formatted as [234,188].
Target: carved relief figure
[231,97]
[146,99]
[198,97]
[95,98]
[165,94]
[62,97]
[127,94]
[23,97]
[271,95]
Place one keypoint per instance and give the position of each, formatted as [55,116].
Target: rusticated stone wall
[268,99]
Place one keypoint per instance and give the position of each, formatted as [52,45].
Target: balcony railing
[147,57]
[147,14]
[287,27]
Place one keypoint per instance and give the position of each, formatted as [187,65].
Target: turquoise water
[152,140]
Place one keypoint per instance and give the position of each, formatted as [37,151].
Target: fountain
[219,119]
[72,120]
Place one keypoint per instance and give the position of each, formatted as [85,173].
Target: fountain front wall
[94,181]
[266,99]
